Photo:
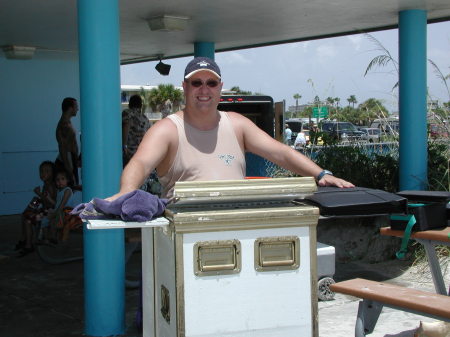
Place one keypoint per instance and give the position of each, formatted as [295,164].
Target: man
[66,136]
[202,143]
[287,135]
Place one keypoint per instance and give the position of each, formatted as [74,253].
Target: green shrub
[376,167]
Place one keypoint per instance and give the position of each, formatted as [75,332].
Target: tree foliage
[158,98]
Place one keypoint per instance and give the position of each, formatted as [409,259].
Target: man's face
[202,91]
[74,108]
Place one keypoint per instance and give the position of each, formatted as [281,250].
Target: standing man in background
[287,135]
[69,156]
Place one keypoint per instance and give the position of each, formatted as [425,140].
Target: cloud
[356,41]
[233,58]
[326,52]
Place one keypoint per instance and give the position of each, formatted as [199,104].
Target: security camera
[163,68]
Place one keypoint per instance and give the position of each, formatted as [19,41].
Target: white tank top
[204,155]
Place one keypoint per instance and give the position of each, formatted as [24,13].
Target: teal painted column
[104,253]
[205,49]
[413,99]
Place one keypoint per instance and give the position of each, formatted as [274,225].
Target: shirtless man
[199,130]
[66,136]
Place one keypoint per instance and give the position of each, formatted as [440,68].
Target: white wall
[31,92]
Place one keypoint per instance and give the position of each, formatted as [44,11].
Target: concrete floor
[43,300]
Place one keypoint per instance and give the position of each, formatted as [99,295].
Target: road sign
[321,112]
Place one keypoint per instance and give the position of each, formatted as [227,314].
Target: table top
[441,235]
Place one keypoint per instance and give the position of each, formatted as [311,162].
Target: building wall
[31,95]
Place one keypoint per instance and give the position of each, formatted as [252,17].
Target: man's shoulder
[164,126]
[235,116]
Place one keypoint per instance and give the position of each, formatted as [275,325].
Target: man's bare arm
[63,135]
[260,143]
[153,150]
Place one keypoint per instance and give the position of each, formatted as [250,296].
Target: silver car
[372,135]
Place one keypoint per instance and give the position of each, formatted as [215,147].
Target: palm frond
[378,61]
[381,60]
[440,75]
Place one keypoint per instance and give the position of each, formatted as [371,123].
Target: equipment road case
[238,258]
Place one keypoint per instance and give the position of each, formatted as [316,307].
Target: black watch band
[324,172]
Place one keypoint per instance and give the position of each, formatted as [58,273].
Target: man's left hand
[329,180]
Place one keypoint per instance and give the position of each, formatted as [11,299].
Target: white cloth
[300,141]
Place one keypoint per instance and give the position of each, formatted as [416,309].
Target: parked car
[372,135]
[342,131]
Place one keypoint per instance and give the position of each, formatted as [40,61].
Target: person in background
[35,212]
[202,143]
[134,126]
[68,157]
[300,141]
[59,217]
[287,135]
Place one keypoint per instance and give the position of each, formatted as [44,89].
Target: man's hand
[329,180]
[115,196]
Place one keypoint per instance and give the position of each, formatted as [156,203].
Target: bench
[375,295]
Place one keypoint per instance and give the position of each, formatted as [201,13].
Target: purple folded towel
[137,206]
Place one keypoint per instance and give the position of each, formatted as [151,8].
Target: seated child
[60,217]
[38,207]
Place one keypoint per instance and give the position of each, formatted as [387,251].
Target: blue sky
[328,67]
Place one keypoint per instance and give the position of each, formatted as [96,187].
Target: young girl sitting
[59,218]
[38,207]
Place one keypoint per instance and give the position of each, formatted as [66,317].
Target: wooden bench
[375,295]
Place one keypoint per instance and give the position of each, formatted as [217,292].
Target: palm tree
[296,97]
[371,109]
[352,100]
[238,91]
[165,98]
[330,101]
[337,100]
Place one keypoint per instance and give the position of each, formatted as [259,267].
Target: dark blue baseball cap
[201,64]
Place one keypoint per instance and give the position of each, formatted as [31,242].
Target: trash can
[325,271]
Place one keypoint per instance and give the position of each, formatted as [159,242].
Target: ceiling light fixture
[168,23]
[163,68]
[18,52]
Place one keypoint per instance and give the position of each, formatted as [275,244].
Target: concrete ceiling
[51,25]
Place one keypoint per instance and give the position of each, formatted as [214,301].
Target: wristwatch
[324,172]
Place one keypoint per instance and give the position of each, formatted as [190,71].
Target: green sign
[321,112]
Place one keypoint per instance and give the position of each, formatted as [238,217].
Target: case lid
[189,193]
[202,206]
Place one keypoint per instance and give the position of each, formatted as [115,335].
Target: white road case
[231,258]
[237,259]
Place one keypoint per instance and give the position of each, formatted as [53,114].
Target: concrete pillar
[104,258]
[413,99]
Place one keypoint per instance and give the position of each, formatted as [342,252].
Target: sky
[332,67]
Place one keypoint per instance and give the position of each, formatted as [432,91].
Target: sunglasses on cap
[209,83]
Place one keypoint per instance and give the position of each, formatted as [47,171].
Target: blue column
[413,99]
[205,49]
[104,258]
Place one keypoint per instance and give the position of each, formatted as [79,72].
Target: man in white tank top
[201,143]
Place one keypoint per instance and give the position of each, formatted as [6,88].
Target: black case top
[335,201]
[426,196]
